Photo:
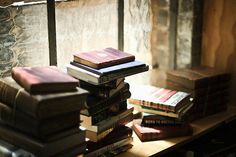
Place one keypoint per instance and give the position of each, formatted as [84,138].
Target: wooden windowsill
[200,127]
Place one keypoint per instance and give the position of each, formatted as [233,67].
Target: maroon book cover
[161,132]
[103,58]
[47,79]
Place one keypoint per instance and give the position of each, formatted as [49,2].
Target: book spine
[17,98]
[111,121]
[109,147]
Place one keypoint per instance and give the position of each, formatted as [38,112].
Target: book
[161,132]
[215,75]
[198,77]
[40,106]
[105,75]
[37,147]
[103,58]
[76,151]
[120,119]
[187,78]
[42,129]
[110,147]
[98,104]
[113,110]
[45,79]
[120,132]
[9,150]
[180,114]
[159,98]
[109,85]
[103,92]
[150,120]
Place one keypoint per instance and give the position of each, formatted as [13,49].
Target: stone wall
[146,34]
[184,33]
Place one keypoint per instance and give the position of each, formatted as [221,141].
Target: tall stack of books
[40,109]
[165,112]
[208,86]
[103,74]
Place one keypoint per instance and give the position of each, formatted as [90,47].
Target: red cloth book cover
[161,132]
[47,79]
[103,58]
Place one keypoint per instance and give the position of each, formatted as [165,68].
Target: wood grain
[219,36]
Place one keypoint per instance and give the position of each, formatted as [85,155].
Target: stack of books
[165,112]
[40,109]
[103,74]
[208,86]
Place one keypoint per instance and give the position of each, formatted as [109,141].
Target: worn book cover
[112,121]
[105,75]
[160,98]
[97,104]
[102,91]
[37,147]
[40,80]
[113,110]
[9,150]
[215,75]
[41,106]
[150,120]
[103,58]
[198,77]
[40,129]
[108,86]
[118,133]
[161,132]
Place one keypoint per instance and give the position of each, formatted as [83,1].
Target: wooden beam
[52,32]
[121,25]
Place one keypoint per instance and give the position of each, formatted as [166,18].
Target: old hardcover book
[161,132]
[40,129]
[120,119]
[98,104]
[113,110]
[180,114]
[37,147]
[159,98]
[187,79]
[38,80]
[111,147]
[103,58]
[41,106]
[150,120]
[215,75]
[105,75]
[109,85]
[118,133]
[9,150]
[103,92]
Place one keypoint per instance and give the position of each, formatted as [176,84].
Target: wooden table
[200,127]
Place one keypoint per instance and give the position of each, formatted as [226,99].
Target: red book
[48,79]
[161,132]
[103,58]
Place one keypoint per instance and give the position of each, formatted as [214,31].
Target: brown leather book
[39,148]
[103,58]
[39,80]
[41,106]
[41,129]
[161,132]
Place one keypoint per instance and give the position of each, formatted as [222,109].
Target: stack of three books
[164,111]
[40,109]
[103,74]
[208,86]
